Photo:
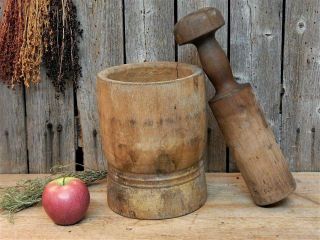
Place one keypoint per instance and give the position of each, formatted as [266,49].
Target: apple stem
[63,181]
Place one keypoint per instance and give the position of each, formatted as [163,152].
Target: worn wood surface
[229,213]
[275,49]
[50,126]
[263,166]
[301,99]
[101,47]
[216,150]
[255,54]
[154,132]
[149,30]
[13,148]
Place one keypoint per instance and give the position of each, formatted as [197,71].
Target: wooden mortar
[153,128]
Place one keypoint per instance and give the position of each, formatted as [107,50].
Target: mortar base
[157,196]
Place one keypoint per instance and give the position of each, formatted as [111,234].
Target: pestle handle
[216,64]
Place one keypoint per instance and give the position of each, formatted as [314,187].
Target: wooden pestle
[251,141]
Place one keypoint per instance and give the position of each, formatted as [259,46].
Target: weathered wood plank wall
[274,45]
[301,85]
[101,47]
[50,126]
[255,53]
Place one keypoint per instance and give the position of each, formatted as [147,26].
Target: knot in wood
[94,132]
[59,128]
[301,26]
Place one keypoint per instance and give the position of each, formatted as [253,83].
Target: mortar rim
[196,71]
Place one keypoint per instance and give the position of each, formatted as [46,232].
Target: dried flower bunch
[32,48]
[32,31]
[61,38]
[11,38]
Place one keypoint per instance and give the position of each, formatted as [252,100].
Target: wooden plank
[50,126]
[301,100]
[149,30]
[101,47]
[216,149]
[13,148]
[255,54]
[229,213]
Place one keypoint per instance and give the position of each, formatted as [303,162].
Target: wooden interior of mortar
[152,72]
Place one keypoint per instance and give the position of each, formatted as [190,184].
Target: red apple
[66,200]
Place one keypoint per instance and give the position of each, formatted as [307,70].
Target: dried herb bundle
[33,31]
[61,38]
[11,38]
[32,48]
[27,193]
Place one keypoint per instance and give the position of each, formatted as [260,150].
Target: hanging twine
[11,38]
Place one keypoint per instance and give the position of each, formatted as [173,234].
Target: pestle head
[197,24]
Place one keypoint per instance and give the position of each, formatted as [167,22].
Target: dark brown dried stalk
[61,39]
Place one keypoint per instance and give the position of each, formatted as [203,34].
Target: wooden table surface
[228,214]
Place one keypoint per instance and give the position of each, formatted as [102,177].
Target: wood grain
[101,47]
[50,126]
[255,54]
[253,146]
[149,30]
[13,148]
[301,100]
[216,150]
[229,213]
[143,30]
[154,131]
